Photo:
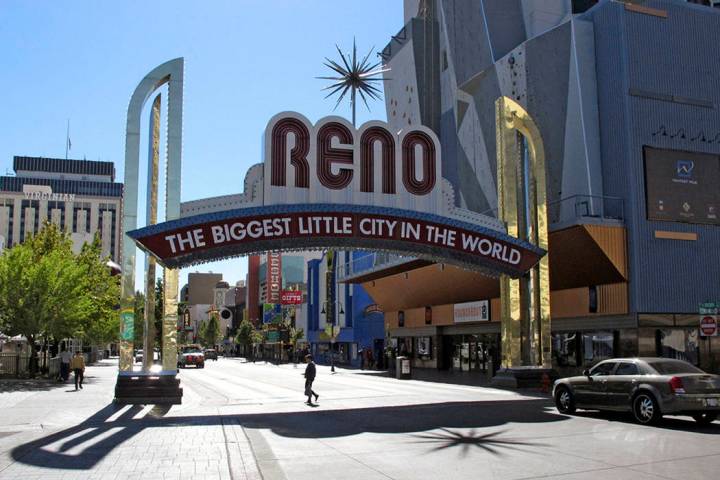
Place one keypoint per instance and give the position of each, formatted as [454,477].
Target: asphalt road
[243,420]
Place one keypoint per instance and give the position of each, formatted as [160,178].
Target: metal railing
[14,364]
[370,262]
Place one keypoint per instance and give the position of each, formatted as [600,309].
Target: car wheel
[705,418]
[645,408]
[201,365]
[564,400]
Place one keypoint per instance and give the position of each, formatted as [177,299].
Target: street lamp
[331,319]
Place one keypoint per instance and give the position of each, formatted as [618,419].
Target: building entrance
[478,353]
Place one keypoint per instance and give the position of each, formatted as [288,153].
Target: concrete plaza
[248,421]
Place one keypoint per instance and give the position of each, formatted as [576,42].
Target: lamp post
[331,319]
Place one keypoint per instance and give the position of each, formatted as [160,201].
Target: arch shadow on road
[433,424]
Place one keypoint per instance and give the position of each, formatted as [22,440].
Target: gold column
[170,319]
[511,119]
[152,207]
[507,174]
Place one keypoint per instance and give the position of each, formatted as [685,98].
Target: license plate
[711,402]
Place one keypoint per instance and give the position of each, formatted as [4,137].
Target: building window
[401,318]
[580,6]
[428,315]
[593,299]
[424,348]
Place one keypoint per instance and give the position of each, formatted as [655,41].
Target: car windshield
[671,367]
[191,350]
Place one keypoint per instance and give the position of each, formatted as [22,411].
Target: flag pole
[67,139]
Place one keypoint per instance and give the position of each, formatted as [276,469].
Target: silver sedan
[647,387]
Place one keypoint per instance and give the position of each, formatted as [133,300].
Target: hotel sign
[273,278]
[331,185]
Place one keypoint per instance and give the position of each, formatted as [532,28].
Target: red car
[191,355]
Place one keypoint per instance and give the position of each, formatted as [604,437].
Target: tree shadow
[59,450]
[490,442]
[32,385]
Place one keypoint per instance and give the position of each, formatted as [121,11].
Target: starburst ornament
[355,77]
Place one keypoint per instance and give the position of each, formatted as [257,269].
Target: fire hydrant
[545,383]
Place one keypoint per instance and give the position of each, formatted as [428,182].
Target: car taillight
[676,385]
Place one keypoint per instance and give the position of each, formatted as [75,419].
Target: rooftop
[61,165]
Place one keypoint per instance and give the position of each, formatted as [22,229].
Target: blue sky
[245,60]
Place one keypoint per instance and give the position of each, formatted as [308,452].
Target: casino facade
[626,100]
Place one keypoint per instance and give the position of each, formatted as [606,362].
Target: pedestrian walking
[310,372]
[65,358]
[78,367]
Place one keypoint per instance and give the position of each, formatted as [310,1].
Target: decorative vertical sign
[127,324]
[274,277]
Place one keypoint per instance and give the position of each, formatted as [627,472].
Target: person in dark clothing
[310,372]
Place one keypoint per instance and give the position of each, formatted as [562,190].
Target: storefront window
[424,347]
[597,346]
[565,349]
[405,346]
[678,343]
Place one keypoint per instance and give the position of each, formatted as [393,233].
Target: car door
[621,384]
[593,391]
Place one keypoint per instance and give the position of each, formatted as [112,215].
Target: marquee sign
[331,186]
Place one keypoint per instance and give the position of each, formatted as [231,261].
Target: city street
[242,420]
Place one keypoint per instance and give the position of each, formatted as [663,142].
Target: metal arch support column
[524,302]
[170,73]
[151,214]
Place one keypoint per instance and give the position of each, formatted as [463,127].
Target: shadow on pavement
[489,442]
[32,385]
[678,423]
[53,451]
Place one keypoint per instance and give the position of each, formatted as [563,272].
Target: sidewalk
[51,432]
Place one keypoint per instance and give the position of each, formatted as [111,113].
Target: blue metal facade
[360,329]
[640,59]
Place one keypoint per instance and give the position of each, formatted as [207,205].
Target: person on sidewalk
[78,367]
[65,358]
[310,372]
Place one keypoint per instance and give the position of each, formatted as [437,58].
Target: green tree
[101,324]
[244,335]
[139,310]
[210,331]
[47,291]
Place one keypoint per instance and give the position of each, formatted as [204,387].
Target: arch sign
[330,185]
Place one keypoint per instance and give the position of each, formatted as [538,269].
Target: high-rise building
[80,196]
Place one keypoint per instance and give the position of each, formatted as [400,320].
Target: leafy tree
[47,291]
[244,335]
[139,310]
[210,331]
[101,325]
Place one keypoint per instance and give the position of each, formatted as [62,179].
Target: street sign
[708,319]
[708,325]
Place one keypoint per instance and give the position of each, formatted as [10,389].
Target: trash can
[402,368]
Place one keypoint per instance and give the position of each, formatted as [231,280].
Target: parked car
[191,355]
[138,355]
[647,387]
[211,354]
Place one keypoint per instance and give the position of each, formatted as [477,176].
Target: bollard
[545,383]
